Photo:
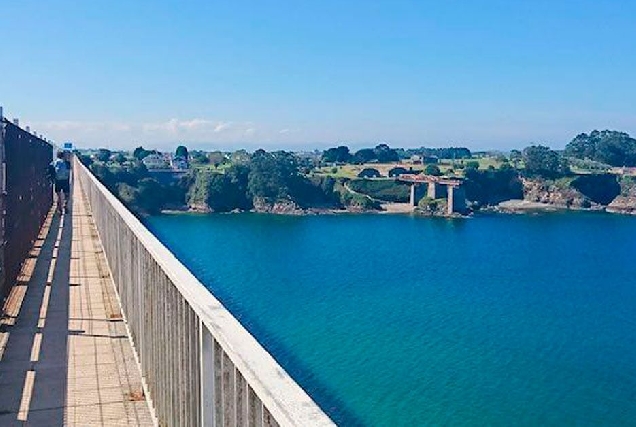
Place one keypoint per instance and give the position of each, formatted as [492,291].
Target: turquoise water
[395,320]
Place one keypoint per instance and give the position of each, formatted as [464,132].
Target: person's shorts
[62,186]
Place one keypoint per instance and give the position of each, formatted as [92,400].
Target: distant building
[179,163]
[155,161]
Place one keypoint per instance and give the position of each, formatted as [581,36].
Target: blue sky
[305,74]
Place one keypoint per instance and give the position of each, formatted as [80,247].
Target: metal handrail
[200,365]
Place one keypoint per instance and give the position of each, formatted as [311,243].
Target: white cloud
[195,124]
[176,125]
[284,131]
[221,126]
[155,134]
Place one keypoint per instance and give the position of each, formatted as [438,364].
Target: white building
[179,163]
[155,161]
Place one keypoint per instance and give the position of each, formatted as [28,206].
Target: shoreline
[508,207]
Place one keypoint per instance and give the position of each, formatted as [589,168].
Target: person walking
[60,172]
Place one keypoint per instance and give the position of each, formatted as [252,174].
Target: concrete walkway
[65,356]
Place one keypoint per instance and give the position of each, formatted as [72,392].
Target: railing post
[207,376]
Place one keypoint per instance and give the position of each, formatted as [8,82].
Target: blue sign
[68,146]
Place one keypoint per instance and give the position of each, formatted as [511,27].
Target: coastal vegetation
[581,176]
[609,147]
[492,186]
[386,190]
[432,207]
[129,180]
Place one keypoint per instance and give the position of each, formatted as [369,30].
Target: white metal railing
[201,367]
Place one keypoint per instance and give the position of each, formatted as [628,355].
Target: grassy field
[387,190]
[352,171]
[445,165]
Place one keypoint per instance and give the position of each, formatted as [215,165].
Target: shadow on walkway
[34,365]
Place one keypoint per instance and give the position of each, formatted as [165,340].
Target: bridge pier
[455,195]
[417,193]
[456,199]
[436,190]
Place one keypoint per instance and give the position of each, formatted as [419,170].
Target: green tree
[271,174]
[432,170]
[199,157]
[140,152]
[610,147]
[181,151]
[539,160]
[472,164]
[85,160]
[149,197]
[103,174]
[338,154]
[119,158]
[221,192]
[103,154]
[385,154]
[364,155]
[491,186]
[428,204]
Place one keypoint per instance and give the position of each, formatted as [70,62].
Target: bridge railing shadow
[34,366]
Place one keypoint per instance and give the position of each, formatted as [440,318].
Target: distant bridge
[437,187]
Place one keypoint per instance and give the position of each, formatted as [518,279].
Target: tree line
[382,153]
[268,177]
[282,175]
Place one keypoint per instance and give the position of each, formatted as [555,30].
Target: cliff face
[286,207]
[616,195]
[625,203]
[558,193]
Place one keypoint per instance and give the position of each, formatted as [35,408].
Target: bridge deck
[65,356]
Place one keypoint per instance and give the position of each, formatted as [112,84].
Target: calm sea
[391,320]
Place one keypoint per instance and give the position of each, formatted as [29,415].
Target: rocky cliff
[625,202]
[558,193]
[604,191]
[285,207]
